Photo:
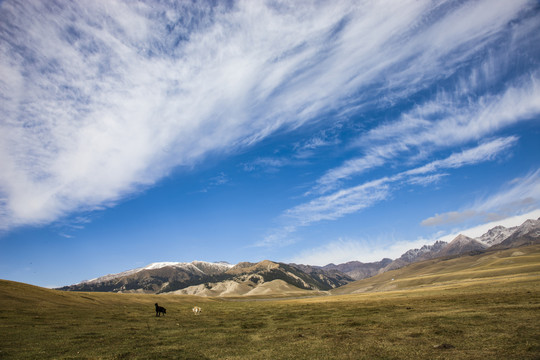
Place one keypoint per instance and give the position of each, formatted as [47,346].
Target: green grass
[493,317]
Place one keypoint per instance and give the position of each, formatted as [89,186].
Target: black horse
[160,310]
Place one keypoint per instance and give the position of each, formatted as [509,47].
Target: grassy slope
[491,317]
[442,271]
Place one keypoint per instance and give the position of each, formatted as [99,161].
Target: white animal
[197,310]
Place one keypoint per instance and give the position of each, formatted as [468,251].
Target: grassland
[478,317]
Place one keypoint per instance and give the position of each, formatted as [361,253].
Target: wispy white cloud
[458,114]
[426,180]
[444,122]
[266,164]
[218,180]
[279,237]
[332,178]
[344,250]
[299,154]
[481,229]
[451,217]
[102,99]
[340,203]
[484,152]
[314,145]
[317,142]
[521,196]
[356,198]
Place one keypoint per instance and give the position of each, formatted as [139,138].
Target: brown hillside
[491,264]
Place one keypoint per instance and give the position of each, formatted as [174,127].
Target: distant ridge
[358,270]
[414,255]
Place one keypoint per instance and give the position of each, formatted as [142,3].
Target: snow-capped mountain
[496,235]
[526,234]
[155,277]
[196,267]
[165,277]
[530,229]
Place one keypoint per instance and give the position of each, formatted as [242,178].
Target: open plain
[489,309]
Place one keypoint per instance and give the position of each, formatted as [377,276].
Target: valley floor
[496,318]
[477,307]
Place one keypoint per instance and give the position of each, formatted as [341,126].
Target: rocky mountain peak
[496,235]
[460,245]
[461,239]
[424,252]
[530,227]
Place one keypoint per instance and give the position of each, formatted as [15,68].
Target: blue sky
[298,131]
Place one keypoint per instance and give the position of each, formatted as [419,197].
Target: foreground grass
[495,318]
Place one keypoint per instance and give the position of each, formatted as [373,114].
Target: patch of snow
[217,263]
[159,265]
[496,235]
[192,266]
[528,227]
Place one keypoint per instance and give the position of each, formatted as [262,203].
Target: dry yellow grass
[480,317]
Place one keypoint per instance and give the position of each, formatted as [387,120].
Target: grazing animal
[197,310]
[160,310]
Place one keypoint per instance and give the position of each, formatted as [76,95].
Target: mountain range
[268,277]
[221,278]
